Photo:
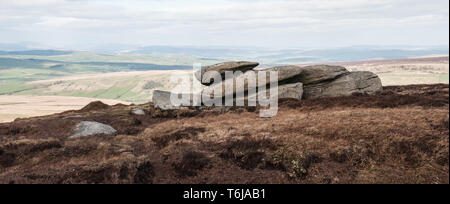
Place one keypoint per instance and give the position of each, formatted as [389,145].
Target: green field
[17,71]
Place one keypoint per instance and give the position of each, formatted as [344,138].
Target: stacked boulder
[307,82]
[285,90]
[209,72]
[322,81]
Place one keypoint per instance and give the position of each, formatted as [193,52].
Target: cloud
[232,22]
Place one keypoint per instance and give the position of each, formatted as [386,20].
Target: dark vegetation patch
[7,159]
[186,133]
[190,164]
[412,152]
[405,151]
[443,125]
[247,153]
[36,129]
[75,150]
[391,97]
[173,114]
[93,174]
[138,171]
[358,156]
[15,130]
[19,151]
[295,164]
[245,160]
[251,144]
[443,159]
[144,173]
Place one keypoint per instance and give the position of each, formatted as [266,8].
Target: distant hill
[295,55]
[37,52]
[7,63]
[179,55]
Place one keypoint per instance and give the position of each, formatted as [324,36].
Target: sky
[78,24]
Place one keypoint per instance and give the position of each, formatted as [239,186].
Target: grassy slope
[17,71]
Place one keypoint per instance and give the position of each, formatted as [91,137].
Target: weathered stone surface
[88,128]
[284,73]
[309,82]
[320,73]
[222,68]
[161,99]
[309,74]
[348,84]
[294,91]
[138,111]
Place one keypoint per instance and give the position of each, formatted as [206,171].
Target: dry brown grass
[398,136]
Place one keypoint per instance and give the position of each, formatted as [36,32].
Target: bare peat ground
[400,135]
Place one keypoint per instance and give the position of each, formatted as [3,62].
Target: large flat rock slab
[319,73]
[292,91]
[354,82]
[161,100]
[221,68]
[307,75]
[284,73]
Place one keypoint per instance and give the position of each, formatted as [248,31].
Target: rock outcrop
[161,99]
[88,128]
[346,85]
[317,73]
[307,75]
[210,71]
[284,73]
[309,82]
[294,91]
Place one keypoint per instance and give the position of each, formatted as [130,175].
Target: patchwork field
[137,86]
